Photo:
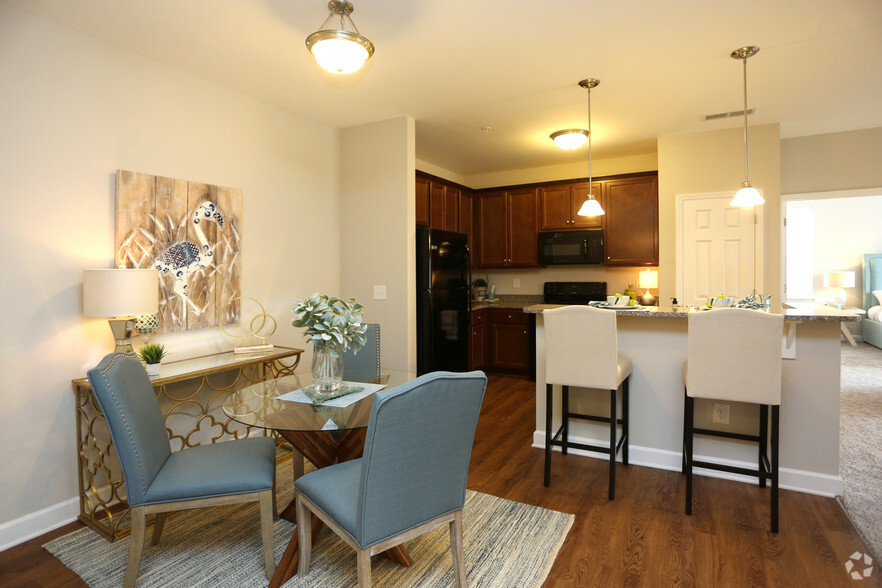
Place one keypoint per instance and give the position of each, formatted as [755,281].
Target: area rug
[506,544]
[860,439]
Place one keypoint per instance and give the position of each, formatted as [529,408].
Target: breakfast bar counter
[655,340]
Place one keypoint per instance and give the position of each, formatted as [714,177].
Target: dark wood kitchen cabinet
[631,206]
[478,340]
[422,201]
[510,340]
[443,205]
[507,227]
[560,203]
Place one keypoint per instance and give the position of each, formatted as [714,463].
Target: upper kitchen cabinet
[560,203]
[422,201]
[507,225]
[631,219]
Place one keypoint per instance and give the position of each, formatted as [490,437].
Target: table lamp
[121,295]
[647,279]
[839,280]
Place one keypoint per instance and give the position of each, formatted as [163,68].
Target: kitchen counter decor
[333,325]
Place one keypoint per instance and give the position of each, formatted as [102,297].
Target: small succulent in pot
[152,353]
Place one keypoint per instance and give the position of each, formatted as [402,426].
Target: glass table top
[258,405]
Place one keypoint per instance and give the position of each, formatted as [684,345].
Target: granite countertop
[509,301]
[808,312]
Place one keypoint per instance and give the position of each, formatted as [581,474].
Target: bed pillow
[873,313]
[878,295]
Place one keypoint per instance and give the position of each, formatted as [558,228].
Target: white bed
[871,326]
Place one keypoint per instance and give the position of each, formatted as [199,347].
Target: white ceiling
[456,66]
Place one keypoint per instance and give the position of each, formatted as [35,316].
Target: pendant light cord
[746,174]
[590,193]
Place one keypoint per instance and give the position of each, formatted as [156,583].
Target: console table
[191,393]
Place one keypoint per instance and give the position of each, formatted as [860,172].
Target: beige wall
[74,110]
[836,161]
[378,232]
[714,162]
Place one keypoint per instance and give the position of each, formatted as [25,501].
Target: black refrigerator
[443,266]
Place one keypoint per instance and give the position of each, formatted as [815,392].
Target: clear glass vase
[327,373]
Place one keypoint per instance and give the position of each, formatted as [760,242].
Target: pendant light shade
[590,207]
[569,139]
[339,50]
[747,195]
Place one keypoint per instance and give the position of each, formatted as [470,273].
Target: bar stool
[581,349]
[734,354]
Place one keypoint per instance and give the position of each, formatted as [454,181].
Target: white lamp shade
[839,279]
[120,292]
[591,207]
[340,55]
[570,139]
[647,279]
[747,196]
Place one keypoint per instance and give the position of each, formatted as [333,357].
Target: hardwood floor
[643,538]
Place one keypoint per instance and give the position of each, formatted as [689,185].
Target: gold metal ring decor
[261,327]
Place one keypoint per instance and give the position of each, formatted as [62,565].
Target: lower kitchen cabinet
[503,340]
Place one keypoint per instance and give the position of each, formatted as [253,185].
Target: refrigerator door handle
[468,257]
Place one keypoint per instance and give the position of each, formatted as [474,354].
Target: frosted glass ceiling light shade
[120,295]
[569,139]
[747,195]
[590,207]
[339,50]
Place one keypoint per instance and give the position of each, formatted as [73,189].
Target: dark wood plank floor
[643,538]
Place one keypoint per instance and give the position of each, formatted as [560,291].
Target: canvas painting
[188,231]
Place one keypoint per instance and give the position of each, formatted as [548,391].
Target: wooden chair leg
[297,462]
[136,545]
[459,570]
[690,407]
[304,536]
[774,464]
[267,507]
[549,397]
[363,557]
[612,444]
[158,526]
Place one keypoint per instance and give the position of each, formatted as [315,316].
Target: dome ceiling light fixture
[569,139]
[339,50]
[590,207]
[747,195]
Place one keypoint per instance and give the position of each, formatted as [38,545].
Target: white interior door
[719,248]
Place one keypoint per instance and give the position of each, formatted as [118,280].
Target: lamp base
[122,329]
[647,299]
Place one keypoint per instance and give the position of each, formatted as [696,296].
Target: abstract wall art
[188,231]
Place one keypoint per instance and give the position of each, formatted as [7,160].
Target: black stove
[573,292]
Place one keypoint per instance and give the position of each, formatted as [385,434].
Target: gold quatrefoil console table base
[191,393]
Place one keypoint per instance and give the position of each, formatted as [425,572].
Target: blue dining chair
[364,365]
[158,481]
[411,478]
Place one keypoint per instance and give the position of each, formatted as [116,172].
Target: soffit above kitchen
[459,67]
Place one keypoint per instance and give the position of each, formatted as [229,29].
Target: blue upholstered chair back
[417,451]
[364,365]
[137,427]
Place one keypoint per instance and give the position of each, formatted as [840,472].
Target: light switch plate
[380,292]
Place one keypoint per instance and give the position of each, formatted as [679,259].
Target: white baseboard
[36,523]
[789,479]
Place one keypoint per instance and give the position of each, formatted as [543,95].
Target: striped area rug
[506,544]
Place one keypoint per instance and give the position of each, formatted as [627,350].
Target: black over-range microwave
[571,247]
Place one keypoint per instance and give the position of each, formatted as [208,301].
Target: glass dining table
[324,434]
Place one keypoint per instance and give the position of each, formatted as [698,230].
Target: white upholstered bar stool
[734,354]
[581,349]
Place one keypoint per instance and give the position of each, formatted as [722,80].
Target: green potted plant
[333,325]
[152,354]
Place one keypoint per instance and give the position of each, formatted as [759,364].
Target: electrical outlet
[516,283]
[379,292]
[721,413]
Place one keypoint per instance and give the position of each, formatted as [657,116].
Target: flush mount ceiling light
[590,207]
[569,139]
[747,195]
[339,50]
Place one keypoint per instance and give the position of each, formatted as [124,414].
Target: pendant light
[338,50]
[590,207]
[747,195]
[569,139]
